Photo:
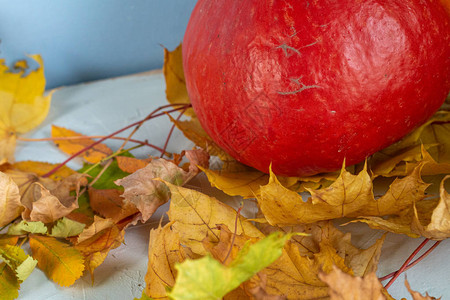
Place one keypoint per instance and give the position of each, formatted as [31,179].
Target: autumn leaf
[349,196]
[42,168]
[104,178]
[198,279]
[10,206]
[24,227]
[46,207]
[72,146]
[61,262]
[417,295]
[344,286]
[21,263]
[9,284]
[97,240]
[23,105]
[399,158]
[6,239]
[131,164]
[97,226]
[176,91]
[109,204]
[196,215]
[148,194]
[164,252]
[428,218]
[66,228]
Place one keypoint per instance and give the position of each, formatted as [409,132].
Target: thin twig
[145,143]
[238,213]
[425,254]
[150,116]
[171,131]
[405,264]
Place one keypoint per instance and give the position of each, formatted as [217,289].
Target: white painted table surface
[101,107]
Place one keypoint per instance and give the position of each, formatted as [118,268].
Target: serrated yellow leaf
[10,206]
[196,215]
[23,105]
[349,196]
[24,227]
[61,262]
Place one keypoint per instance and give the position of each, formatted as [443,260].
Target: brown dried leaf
[110,204]
[131,164]
[346,287]
[148,194]
[97,226]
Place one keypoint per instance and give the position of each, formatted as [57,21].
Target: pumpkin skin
[303,85]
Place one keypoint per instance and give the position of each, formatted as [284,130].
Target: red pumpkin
[306,84]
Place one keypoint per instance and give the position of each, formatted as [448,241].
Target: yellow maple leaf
[196,215]
[61,262]
[164,252]
[23,105]
[93,155]
[349,196]
[10,206]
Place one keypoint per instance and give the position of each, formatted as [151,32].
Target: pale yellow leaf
[10,207]
[23,105]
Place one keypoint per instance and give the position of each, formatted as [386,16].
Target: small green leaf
[206,278]
[25,227]
[106,181]
[66,227]
[21,263]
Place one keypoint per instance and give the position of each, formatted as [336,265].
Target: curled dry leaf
[97,226]
[48,206]
[23,105]
[417,295]
[10,206]
[72,146]
[148,194]
[345,287]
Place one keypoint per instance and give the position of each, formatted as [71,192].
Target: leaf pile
[208,249]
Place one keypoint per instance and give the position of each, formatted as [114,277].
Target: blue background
[84,40]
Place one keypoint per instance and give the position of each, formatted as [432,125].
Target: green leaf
[25,227]
[66,227]
[9,284]
[106,181]
[206,278]
[21,263]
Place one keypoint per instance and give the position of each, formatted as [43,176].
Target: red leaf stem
[425,254]
[405,264]
[166,143]
[152,115]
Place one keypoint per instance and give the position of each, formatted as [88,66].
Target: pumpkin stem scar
[302,87]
